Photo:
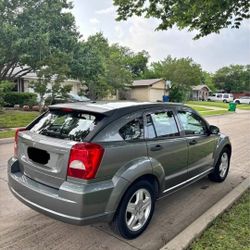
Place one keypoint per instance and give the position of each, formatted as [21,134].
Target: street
[23,228]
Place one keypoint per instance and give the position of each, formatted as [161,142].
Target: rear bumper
[79,204]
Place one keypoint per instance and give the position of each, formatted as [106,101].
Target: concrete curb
[187,236]
[7,140]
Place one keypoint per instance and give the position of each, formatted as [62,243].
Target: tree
[89,65]
[234,78]
[137,63]
[205,16]
[49,83]
[123,65]
[183,74]
[35,34]
[207,79]
[106,68]
[118,74]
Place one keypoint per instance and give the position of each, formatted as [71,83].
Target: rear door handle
[193,142]
[156,148]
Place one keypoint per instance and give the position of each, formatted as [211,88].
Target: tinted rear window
[72,125]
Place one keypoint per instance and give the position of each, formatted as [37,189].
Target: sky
[231,46]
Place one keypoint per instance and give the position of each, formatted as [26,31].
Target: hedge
[12,98]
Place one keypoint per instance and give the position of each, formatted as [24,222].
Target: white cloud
[119,32]
[94,20]
[108,10]
[231,46]
[212,52]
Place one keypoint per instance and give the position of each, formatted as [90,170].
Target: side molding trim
[189,180]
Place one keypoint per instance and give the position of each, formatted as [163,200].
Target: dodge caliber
[83,163]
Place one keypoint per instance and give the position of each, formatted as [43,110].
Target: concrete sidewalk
[184,239]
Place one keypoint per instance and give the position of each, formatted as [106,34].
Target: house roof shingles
[199,87]
[146,82]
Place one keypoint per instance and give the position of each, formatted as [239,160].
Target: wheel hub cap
[138,209]
[223,165]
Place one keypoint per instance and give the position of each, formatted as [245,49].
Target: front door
[166,147]
[201,145]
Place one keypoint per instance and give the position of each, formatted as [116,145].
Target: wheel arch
[229,148]
[115,200]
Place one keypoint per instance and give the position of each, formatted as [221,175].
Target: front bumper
[79,204]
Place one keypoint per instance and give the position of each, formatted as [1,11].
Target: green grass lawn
[231,231]
[207,111]
[15,119]
[218,104]
[214,112]
[198,108]
[7,134]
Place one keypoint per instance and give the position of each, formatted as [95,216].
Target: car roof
[108,108]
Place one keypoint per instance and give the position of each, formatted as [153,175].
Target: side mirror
[214,130]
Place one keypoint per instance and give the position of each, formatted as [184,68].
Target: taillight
[16,141]
[84,160]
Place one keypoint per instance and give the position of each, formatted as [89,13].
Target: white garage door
[155,95]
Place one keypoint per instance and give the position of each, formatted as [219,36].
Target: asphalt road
[23,228]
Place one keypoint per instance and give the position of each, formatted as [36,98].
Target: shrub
[5,86]
[12,98]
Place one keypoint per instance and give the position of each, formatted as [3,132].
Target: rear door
[201,145]
[165,145]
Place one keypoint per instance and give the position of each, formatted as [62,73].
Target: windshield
[70,125]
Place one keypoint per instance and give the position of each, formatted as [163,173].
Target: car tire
[237,102]
[221,168]
[225,101]
[135,210]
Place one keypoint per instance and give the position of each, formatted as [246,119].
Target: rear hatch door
[44,159]
[44,149]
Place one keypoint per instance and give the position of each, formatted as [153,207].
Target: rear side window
[73,125]
[192,123]
[161,124]
[132,130]
[226,96]
[219,96]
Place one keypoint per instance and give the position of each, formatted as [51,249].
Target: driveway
[23,228]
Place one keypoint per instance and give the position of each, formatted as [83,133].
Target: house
[22,83]
[200,92]
[151,90]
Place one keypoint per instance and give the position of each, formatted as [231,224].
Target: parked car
[243,100]
[110,162]
[70,98]
[222,97]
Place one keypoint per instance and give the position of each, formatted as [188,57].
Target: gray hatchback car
[109,162]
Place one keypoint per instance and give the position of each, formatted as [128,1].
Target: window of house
[132,130]
[192,123]
[161,124]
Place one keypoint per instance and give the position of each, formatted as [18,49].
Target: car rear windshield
[66,124]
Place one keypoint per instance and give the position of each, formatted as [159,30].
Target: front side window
[192,123]
[219,96]
[133,130]
[161,124]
